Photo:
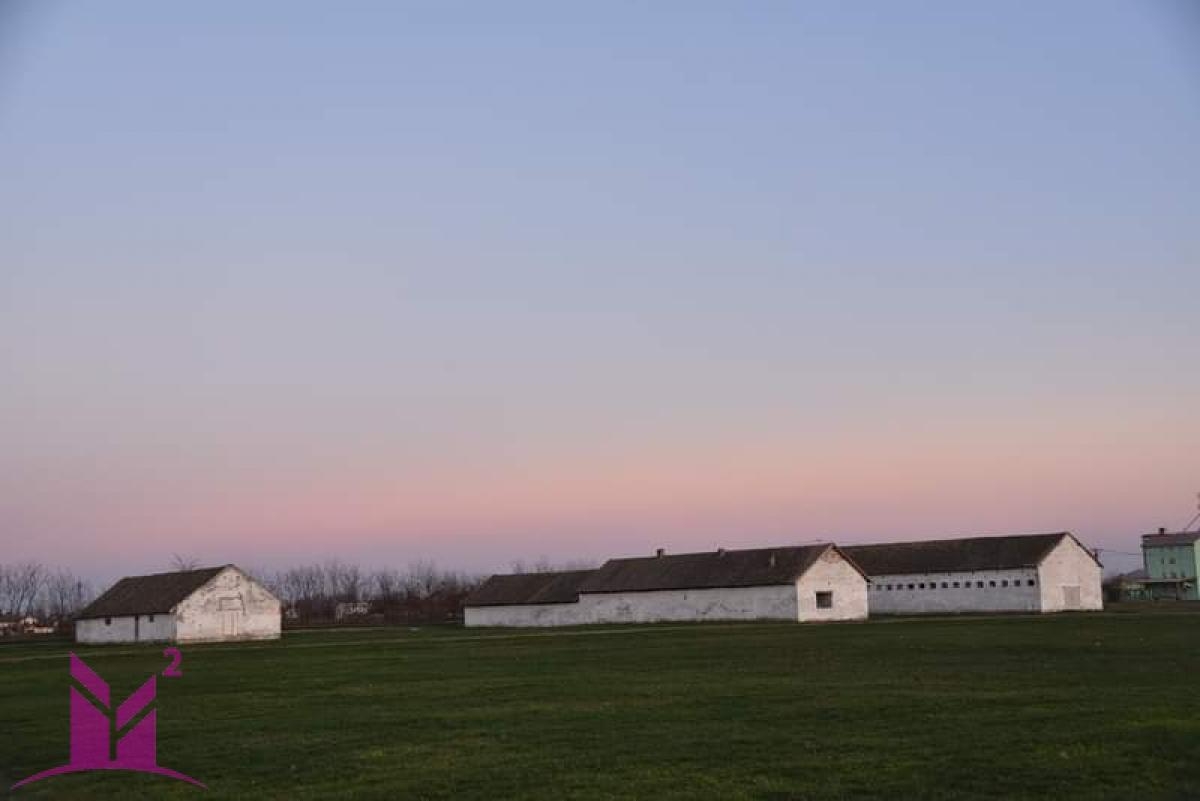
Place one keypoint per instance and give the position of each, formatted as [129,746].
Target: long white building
[799,583]
[1021,573]
[207,605]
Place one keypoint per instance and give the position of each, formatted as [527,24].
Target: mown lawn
[1088,707]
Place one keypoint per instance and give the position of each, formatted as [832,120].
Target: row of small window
[956,585]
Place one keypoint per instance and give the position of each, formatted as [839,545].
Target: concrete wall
[124,629]
[120,629]
[231,606]
[524,615]
[1070,566]
[724,603]
[832,573]
[929,596]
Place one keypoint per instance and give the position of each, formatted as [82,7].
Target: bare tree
[344,581]
[543,565]
[20,586]
[65,595]
[182,562]
[386,585]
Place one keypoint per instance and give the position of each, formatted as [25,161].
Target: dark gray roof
[953,556]
[149,595]
[529,588]
[1172,538]
[745,568]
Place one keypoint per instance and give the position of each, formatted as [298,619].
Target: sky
[477,282]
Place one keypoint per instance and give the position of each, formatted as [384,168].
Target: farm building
[800,583]
[1021,573]
[213,604]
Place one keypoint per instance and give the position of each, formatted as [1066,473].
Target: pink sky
[450,283]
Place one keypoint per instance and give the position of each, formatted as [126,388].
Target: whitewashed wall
[724,603]
[96,631]
[524,615]
[160,629]
[229,599]
[1018,596]
[123,629]
[832,573]
[1069,565]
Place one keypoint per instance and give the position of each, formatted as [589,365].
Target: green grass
[1088,707]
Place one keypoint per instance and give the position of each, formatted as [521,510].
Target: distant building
[797,583]
[1129,586]
[213,604]
[1171,562]
[348,610]
[1018,573]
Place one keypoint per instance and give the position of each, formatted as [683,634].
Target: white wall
[1069,565]
[96,631]
[1018,596]
[524,615]
[728,603]
[832,573]
[723,603]
[160,629]
[231,606]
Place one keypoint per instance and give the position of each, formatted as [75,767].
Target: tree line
[31,588]
[420,593]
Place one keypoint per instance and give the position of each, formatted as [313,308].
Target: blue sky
[476,282]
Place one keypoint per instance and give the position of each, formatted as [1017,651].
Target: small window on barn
[979,585]
[945,585]
[149,618]
[108,621]
[889,587]
[1032,583]
[921,586]
[912,586]
[825,600]
[956,586]
[933,585]
[1004,583]
[992,583]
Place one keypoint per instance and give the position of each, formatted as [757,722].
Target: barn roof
[953,556]
[149,595]
[529,588]
[743,568]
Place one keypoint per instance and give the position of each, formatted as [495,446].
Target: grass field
[1088,707]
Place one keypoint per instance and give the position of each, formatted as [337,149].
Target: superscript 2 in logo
[104,738]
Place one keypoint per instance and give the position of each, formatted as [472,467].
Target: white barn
[802,583]
[1020,573]
[209,605]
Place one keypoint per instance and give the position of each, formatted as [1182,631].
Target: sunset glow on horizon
[433,282]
